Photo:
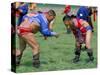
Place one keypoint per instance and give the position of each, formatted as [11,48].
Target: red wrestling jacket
[80,32]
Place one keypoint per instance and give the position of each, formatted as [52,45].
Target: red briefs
[23,30]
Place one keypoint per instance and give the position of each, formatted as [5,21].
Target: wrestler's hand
[54,34]
[57,35]
[45,37]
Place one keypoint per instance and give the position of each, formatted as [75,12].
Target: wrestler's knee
[36,46]
[88,45]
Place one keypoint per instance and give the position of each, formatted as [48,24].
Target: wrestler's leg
[22,46]
[77,52]
[88,45]
[22,43]
[30,39]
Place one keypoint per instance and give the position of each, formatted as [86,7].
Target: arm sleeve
[46,31]
[44,26]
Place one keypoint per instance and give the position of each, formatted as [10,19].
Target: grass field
[57,53]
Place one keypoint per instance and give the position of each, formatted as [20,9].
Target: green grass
[57,53]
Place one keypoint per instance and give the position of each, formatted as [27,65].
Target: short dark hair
[51,12]
[66,17]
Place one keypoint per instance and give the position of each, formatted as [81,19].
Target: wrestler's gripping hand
[55,34]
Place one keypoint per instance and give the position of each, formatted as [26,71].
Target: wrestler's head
[50,15]
[67,20]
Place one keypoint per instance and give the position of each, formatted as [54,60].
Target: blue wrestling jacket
[43,23]
[24,9]
[83,13]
